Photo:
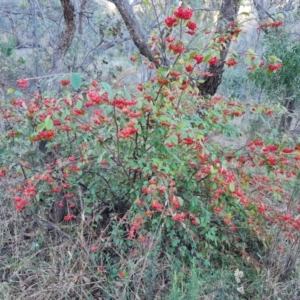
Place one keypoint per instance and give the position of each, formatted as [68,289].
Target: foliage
[282,83]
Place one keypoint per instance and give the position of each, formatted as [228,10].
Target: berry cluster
[231,62]
[23,83]
[171,22]
[183,14]
[271,24]
[274,67]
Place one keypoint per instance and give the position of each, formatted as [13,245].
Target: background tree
[54,40]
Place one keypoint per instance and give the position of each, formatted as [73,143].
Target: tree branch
[207,9]
[134,28]
[103,46]
[262,12]
[289,6]
[81,13]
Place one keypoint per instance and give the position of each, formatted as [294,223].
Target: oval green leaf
[75,80]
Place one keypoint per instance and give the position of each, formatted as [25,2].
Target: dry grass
[40,264]
[37,263]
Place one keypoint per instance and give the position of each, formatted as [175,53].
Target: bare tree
[45,37]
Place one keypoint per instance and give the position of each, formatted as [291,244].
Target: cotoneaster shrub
[149,167]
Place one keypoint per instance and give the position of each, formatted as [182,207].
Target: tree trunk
[228,13]
[66,37]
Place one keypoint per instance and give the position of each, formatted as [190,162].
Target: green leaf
[127,95]
[48,123]
[273,58]
[75,80]
[277,196]
[9,52]
[175,242]
[231,187]
[281,15]
[163,72]
[78,104]
[139,104]
[10,91]
[251,52]
[21,60]
[88,210]
[180,200]
[98,218]
[174,139]
[213,170]
[206,263]
[56,115]
[108,89]
[247,60]
[182,125]
[207,57]
[41,126]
